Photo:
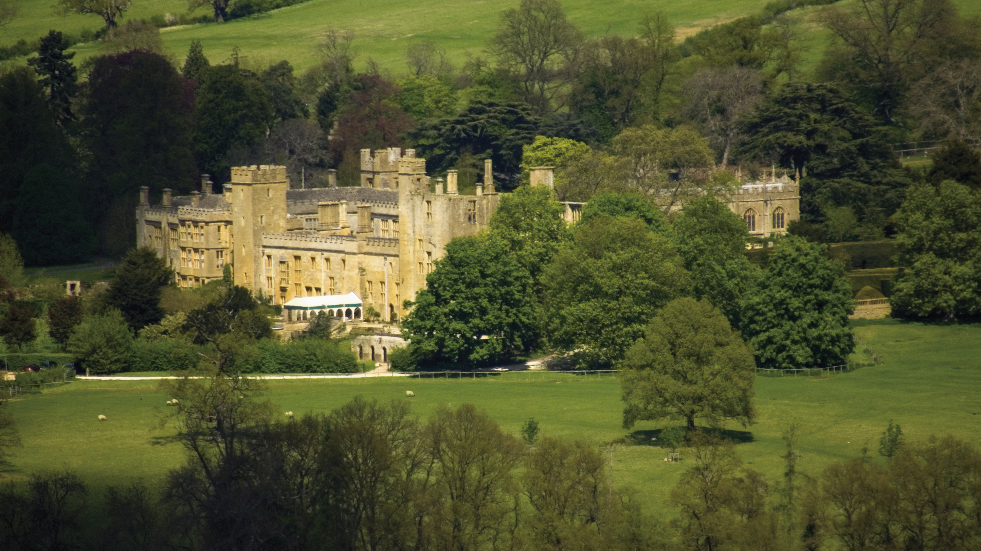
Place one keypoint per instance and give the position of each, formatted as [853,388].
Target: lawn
[928,384]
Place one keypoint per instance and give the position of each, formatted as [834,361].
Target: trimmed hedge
[866,255]
[165,355]
[17,361]
[301,356]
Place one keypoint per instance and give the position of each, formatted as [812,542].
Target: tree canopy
[606,284]
[799,316]
[689,365]
[136,285]
[478,306]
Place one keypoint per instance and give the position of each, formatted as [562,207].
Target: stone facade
[378,240]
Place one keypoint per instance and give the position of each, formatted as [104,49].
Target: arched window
[750,218]
[372,352]
[347,314]
[778,219]
[360,352]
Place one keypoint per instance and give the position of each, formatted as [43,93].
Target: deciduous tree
[108,10]
[103,343]
[799,316]
[477,307]
[64,315]
[689,365]
[17,325]
[717,100]
[607,284]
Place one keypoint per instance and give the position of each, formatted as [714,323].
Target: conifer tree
[58,76]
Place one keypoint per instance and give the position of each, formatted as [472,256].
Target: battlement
[767,189]
[287,240]
[263,174]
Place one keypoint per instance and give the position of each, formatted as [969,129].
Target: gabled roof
[349,300]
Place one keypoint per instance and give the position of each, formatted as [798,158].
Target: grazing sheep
[102,418]
[174,402]
[289,414]
[409,393]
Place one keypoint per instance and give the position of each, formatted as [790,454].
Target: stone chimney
[206,184]
[542,176]
[332,177]
[144,196]
[480,189]
[439,186]
[227,191]
[451,188]
[166,197]
[488,176]
[364,219]
[195,198]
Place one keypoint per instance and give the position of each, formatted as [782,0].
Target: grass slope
[927,384]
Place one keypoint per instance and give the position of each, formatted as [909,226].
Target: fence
[823,371]
[513,376]
[922,149]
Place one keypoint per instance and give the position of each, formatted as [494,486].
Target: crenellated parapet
[262,174]
[291,239]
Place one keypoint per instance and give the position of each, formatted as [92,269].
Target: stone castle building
[378,240]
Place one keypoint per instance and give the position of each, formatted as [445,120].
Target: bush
[164,355]
[403,359]
[303,356]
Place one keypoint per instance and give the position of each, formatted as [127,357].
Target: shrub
[303,356]
[164,355]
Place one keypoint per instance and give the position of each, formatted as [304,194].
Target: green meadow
[384,28]
[928,383]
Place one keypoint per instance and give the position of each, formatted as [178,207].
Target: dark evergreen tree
[139,119]
[280,84]
[485,129]
[196,65]
[232,109]
[136,285]
[955,160]
[64,315]
[49,196]
[58,76]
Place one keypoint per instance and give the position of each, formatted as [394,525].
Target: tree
[139,118]
[108,10]
[743,42]
[956,161]
[17,325]
[134,35]
[280,84]
[939,253]
[717,100]
[477,307]
[689,365]
[58,75]
[712,241]
[625,205]
[604,287]
[196,65]
[220,8]
[474,463]
[103,343]
[558,153]
[426,97]
[535,43]
[484,130]
[833,147]
[427,59]
[48,193]
[645,155]
[887,45]
[136,285]
[231,110]
[64,315]
[799,316]
[944,103]
[30,138]
[11,263]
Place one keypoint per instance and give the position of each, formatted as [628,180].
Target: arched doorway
[360,352]
[372,352]
[384,354]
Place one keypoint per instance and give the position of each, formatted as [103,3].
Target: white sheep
[174,402]
[409,393]
[102,418]
[289,414]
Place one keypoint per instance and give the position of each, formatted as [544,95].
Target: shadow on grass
[164,440]
[652,436]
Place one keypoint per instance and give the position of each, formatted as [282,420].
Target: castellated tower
[258,206]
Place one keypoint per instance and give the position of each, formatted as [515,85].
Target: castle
[378,240]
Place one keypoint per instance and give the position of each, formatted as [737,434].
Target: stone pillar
[488,176]
[451,186]
[166,197]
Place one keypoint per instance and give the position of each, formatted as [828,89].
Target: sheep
[409,393]
[174,402]
[289,414]
[102,418]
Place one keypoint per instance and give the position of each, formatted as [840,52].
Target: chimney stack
[451,186]
[439,186]
[488,176]
[332,177]
[144,196]
[166,197]
[227,190]
[195,198]
[206,184]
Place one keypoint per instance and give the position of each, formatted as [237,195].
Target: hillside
[382,31]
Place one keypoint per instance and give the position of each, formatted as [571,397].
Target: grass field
[928,384]
[384,28]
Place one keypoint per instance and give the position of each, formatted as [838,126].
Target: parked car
[31,367]
[48,364]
